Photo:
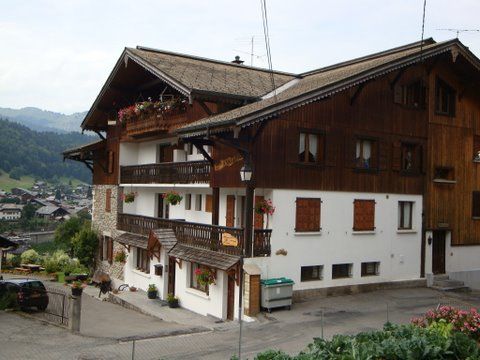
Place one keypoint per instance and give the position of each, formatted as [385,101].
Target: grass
[47,247]
[6,183]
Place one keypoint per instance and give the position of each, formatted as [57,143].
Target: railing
[153,123]
[211,237]
[167,173]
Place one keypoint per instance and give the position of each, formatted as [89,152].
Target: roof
[193,74]
[7,206]
[320,83]
[130,239]
[205,257]
[49,209]
[6,243]
[166,238]
[83,152]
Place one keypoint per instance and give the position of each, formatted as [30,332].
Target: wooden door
[231,297]
[171,275]
[160,206]
[230,216]
[438,252]
[258,218]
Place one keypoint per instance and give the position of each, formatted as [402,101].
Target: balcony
[188,172]
[153,123]
[211,237]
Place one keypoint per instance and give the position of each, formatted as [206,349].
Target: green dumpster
[276,293]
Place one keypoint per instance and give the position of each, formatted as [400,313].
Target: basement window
[311,273]
[341,271]
[370,268]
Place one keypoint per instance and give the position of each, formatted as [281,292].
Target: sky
[57,54]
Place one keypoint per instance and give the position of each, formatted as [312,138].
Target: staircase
[444,283]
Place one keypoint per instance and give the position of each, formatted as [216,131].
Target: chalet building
[10,212]
[371,166]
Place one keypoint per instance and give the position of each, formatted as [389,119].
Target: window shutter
[110,250]
[307,217]
[364,215]
[258,218]
[110,162]
[100,247]
[108,200]
[208,203]
[397,156]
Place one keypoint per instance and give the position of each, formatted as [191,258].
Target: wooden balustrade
[211,237]
[148,124]
[187,172]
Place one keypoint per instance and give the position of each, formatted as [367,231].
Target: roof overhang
[6,243]
[213,259]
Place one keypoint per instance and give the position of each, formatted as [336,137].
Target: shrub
[13,260]
[120,256]
[30,257]
[467,322]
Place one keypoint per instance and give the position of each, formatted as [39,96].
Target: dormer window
[444,98]
[412,95]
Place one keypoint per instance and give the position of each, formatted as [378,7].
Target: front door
[231,296]
[258,218]
[438,252]
[230,216]
[171,275]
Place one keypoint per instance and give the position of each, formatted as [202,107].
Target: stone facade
[106,225]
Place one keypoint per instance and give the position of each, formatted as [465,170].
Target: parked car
[30,293]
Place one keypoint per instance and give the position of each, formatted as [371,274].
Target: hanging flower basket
[160,108]
[129,197]
[205,276]
[263,207]
[172,197]
[120,257]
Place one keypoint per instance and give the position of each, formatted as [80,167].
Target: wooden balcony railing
[153,123]
[211,237]
[188,172]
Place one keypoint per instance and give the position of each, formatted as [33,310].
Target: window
[108,200]
[412,95]
[370,268]
[444,98]
[104,253]
[188,201]
[340,271]
[307,216]
[143,260]
[476,204]
[310,148]
[311,273]
[193,278]
[364,215]
[208,203]
[106,249]
[110,162]
[365,154]
[411,158]
[444,173]
[198,202]
[405,210]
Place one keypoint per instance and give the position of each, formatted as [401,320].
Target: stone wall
[106,225]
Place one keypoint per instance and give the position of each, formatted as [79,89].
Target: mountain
[39,154]
[42,120]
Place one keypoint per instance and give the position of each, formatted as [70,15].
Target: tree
[28,212]
[65,232]
[58,194]
[89,192]
[85,244]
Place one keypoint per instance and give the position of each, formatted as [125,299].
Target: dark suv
[29,293]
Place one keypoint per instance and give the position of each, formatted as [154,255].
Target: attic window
[444,98]
[412,95]
[444,174]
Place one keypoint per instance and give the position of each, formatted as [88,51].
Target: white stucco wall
[397,252]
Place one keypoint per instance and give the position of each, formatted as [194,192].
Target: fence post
[75,312]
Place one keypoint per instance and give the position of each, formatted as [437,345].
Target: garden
[442,333]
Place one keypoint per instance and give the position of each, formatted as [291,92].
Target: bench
[23,270]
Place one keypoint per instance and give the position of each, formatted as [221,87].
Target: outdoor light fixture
[246,172]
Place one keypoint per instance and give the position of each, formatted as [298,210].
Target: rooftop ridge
[195,57]
[394,50]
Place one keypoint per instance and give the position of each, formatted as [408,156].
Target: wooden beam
[100,135]
[215,205]
[149,84]
[242,147]
[205,108]
[357,92]
[396,78]
[203,152]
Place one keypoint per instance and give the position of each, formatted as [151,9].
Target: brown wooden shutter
[110,162]
[258,218]
[108,200]
[397,156]
[364,215]
[208,203]
[307,217]
[110,250]
[230,215]
[100,247]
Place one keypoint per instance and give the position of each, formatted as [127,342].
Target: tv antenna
[458,31]
[251,43]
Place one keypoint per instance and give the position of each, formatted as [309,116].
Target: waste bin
[276,293]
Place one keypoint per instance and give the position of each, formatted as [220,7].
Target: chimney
[237,60]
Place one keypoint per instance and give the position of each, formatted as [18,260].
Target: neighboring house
[369,164]
[52,212]
[10,212]
[24,194]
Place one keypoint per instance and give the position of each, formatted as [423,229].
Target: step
[441,277]
[448,283]
[452,288]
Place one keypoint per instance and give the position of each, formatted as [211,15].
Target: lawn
[47,247]
[6,183]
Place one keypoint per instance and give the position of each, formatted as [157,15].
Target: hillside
[42,120]
[25,152]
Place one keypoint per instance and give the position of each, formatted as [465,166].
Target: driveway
[287,330]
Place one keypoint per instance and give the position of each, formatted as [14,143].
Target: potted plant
[172,301]
[205,276]
[264,207]
[172,197]
[132,288]
[152,292]
[129,197]
[120,257]
[77,288]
